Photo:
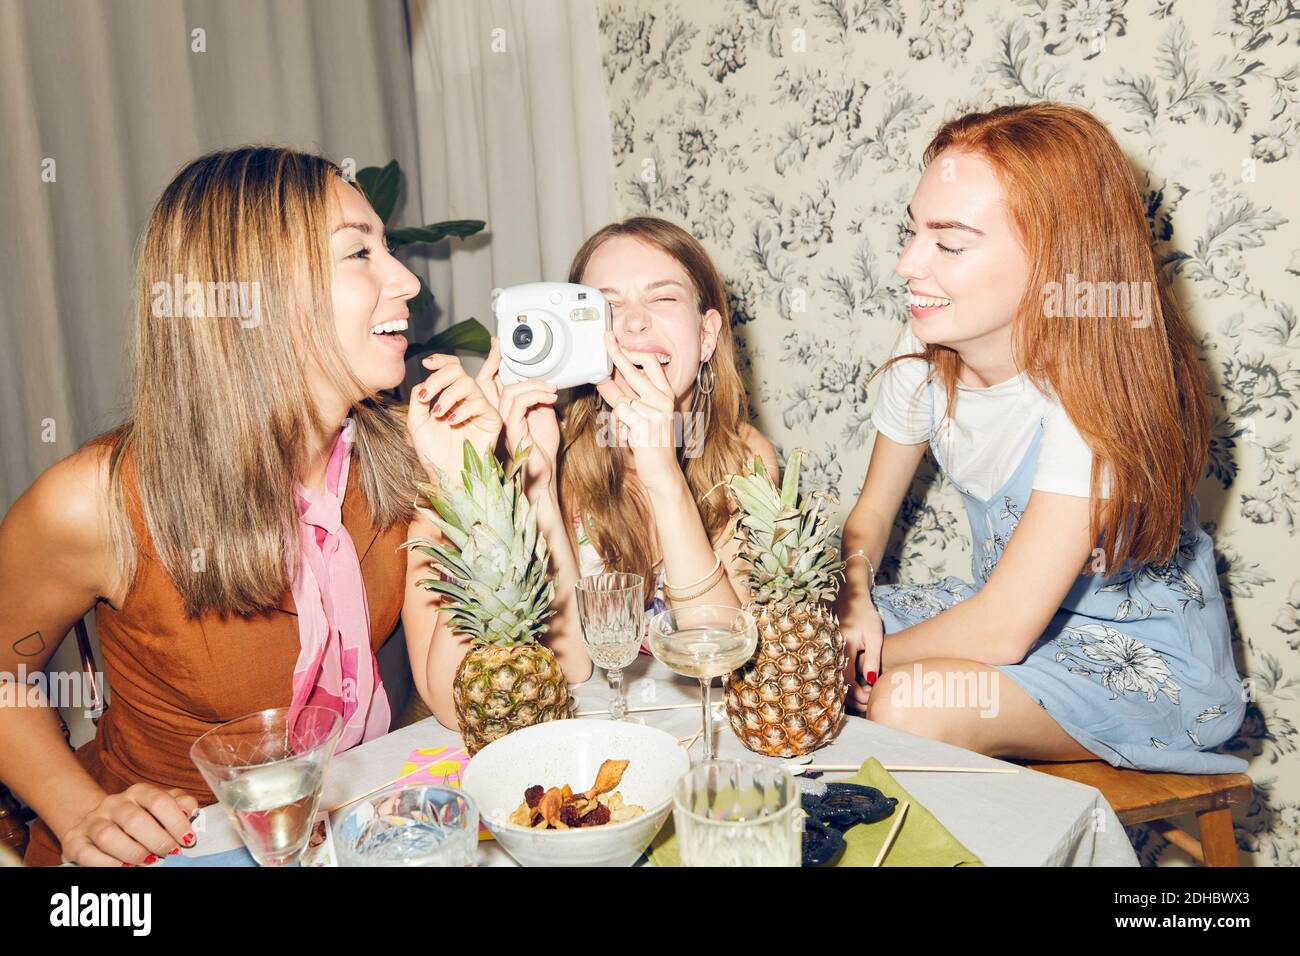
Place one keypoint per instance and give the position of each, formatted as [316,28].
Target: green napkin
[922,840]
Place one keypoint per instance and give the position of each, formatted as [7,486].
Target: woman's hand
[864,636]
[530,421]
[127,828]
[646,412]
[446,411]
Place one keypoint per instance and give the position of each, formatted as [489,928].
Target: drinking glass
[704,641]
[267,773]
[412,825]
[611,609]
[737,813]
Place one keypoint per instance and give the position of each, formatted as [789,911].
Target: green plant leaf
[466,336]
[381,186]
[423,300]
[435,232]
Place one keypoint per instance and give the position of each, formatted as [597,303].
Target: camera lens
[523,337]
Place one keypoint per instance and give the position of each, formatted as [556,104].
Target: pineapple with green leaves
[492,569]
[788,699]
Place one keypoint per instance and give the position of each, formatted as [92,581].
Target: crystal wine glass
[611,609]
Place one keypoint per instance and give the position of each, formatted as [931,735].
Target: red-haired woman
[1054,378]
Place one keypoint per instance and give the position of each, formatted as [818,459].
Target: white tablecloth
[1022,819]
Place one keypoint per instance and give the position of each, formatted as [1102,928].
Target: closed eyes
[911,233]
[619,305]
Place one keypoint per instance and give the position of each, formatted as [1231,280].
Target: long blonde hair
[1138,395]
[592,478]
[220,408]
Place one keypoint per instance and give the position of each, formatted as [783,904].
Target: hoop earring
[706,378]
[701,404]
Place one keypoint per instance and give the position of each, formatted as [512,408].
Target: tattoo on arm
[30,645]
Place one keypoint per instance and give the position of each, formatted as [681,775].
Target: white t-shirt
[986,439]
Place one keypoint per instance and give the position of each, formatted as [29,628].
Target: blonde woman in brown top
[181,527]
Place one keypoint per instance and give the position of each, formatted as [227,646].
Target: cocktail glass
[703,641]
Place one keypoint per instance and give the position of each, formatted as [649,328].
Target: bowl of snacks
[576,792]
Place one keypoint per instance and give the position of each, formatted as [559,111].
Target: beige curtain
[100,104]
[513,129]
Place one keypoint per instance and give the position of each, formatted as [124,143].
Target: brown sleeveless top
[172,678]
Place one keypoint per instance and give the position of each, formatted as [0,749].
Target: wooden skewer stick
[953,769]
[636,710]
[383,786]
[801,768]
[691,740]
[893,832]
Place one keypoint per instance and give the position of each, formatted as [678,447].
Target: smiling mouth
[926,304]
[391,327]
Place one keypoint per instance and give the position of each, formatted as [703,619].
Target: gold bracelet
[705,584]
[678,595]
[863,555]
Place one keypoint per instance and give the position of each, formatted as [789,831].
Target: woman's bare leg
[970,705]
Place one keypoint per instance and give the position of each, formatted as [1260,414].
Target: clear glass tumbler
[413,825]
[738,813]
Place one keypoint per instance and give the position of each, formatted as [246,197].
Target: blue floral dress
[1136,666]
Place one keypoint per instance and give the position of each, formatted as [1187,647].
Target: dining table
[1021,818]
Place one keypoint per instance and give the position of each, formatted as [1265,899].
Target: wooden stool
[1141,796]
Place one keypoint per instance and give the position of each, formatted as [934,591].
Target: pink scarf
[336,667]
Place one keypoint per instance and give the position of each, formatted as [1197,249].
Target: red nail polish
[150,860]
[421,394]
[187,840]
[173,851]
[127,865]
[437,409]
[871,678]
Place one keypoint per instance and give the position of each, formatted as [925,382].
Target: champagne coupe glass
[611,609]
[704,641]
[267,772]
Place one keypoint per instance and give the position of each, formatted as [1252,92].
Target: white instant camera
[553,331]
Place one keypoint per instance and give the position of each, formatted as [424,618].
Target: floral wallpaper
[787,134]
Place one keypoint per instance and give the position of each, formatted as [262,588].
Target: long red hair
[1137,393]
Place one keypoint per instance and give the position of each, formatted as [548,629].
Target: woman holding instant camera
[631,480]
